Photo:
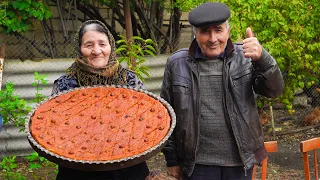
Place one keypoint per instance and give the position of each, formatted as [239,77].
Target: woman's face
[96,48]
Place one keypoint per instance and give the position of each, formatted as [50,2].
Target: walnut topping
[160,128]
[101,122]
[48,142]
[108,140]
[112,126]
[54,111]
[58,101]
[70,152]
[38,128]
[134,97]
[141,118]
[41,136]
[141,103]
[133,137]
[87,140]
[111,94]
[124,130]
[124,95]
[159,116]
[121,146]
[146,140]
[53,121]
[67,123]
[148,126]
[62,138]
[108,107]
[81,114]
[117,111]
[73,100]
[96,95]
[39,117]
[83,148]
[78,126]
[84,94]
[126,116]
[152,110]
[93,117]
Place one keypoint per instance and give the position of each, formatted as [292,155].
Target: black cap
[209,13]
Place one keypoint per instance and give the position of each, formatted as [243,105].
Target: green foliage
[12,108]
[133,50]
[186,6]
[39,79]
[8,166]
[35,162]
[18,15]
[15,109]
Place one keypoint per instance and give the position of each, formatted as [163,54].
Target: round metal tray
[100,165]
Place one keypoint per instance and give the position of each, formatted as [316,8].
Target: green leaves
[17,15]
[8,166]
[132,52]
[12,108]
[39,79]
[8,163]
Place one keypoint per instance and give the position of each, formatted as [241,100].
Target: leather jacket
[242,80]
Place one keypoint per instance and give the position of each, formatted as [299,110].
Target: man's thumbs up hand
[249,33]
[251,46]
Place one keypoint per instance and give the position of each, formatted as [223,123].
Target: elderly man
[212,87]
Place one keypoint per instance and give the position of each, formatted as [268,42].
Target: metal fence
[35,46]
[32,53]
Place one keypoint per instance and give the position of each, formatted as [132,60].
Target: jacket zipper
[197,104]
[225,87]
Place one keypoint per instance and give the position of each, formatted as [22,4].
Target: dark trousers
[203,172]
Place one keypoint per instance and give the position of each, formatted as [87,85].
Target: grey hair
[227,26]
[91,27]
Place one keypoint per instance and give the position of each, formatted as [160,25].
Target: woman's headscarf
[87,74]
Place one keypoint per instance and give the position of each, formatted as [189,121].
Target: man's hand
[251,46]
[175,172]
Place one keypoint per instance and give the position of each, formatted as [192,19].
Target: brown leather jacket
[242,80]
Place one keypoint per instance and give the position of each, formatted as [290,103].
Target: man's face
[212,39]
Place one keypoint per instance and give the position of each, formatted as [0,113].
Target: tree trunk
[173,32]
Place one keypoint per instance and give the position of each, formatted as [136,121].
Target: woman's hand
[175,172]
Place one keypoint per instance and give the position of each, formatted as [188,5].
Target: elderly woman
[96,64]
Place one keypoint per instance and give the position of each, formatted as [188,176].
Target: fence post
[2,55]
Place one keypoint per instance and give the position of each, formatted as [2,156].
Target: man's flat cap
[209,13]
